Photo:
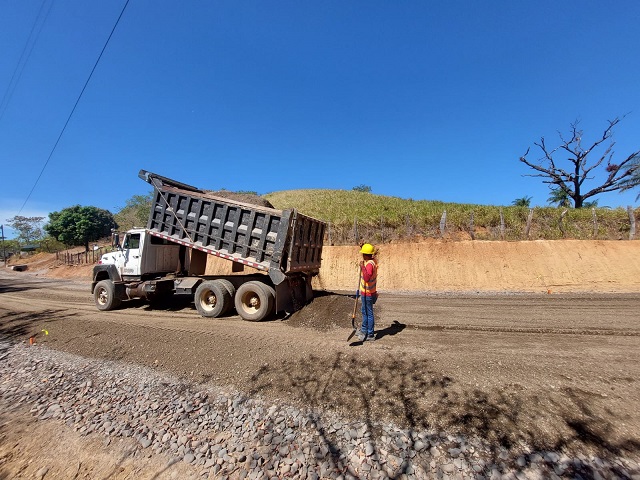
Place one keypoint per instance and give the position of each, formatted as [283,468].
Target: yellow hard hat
[367,249]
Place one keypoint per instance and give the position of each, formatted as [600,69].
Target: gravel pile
[225,434]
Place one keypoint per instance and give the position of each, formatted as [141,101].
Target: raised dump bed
[185,225]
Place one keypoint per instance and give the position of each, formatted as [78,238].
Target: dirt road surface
[558,371]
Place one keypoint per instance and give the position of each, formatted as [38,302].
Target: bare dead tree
[621,175]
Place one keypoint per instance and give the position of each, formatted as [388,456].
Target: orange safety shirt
[368,278]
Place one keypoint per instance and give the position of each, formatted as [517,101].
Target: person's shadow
[393,329]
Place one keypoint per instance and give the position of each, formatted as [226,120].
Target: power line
[74,107]
[11,86]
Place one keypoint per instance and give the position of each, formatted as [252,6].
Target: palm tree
[559,198]
[522,202]
[634,180]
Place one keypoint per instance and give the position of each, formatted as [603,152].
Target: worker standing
[368,293]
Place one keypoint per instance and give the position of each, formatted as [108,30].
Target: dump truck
[186,225]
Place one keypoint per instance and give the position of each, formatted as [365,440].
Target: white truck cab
[143,255]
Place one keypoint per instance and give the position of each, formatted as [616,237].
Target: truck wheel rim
[208,300]
[251,302]
[103,296]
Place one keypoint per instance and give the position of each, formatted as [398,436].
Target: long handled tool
[355,306]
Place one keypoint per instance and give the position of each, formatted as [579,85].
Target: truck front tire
[105,297]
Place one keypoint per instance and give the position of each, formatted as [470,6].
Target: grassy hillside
[356,216]
[380,218]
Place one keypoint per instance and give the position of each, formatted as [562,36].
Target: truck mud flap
[293,294]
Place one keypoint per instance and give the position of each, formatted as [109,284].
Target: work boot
[361,336]
[371,338]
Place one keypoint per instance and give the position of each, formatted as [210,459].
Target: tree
[362,188]
[50,244]
[135,212]
[522,202]
[8,248]
[28,228]
[582,168]
[79,225]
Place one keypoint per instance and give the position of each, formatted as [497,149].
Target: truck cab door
[132,257]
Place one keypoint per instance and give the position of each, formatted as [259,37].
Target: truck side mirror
[115,242]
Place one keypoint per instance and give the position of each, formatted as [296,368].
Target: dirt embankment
[533,266]
[437,266]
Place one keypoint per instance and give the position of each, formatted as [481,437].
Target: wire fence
[507,224]
[82,258]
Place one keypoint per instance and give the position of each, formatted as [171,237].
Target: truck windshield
[132,241]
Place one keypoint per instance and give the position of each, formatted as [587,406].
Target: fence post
[561,224]
[382,228]
[632,220]
[472,231]
[595,222]
[443,223]
[355,230]
[527,229]
[501,224]
[329,232]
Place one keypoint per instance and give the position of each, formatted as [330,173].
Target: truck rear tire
[212,299]
[271,292]
[105,297]
[232,293]
[254,301]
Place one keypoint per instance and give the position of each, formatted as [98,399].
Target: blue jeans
[367,315]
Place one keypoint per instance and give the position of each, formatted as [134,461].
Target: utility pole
[4,252]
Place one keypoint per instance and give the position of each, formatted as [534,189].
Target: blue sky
[417,99]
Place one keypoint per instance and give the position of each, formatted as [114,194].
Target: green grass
[381,218]
[354,216]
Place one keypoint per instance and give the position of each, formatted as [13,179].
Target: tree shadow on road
[6,287]
[25,283]
[425,401]
[16,326]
